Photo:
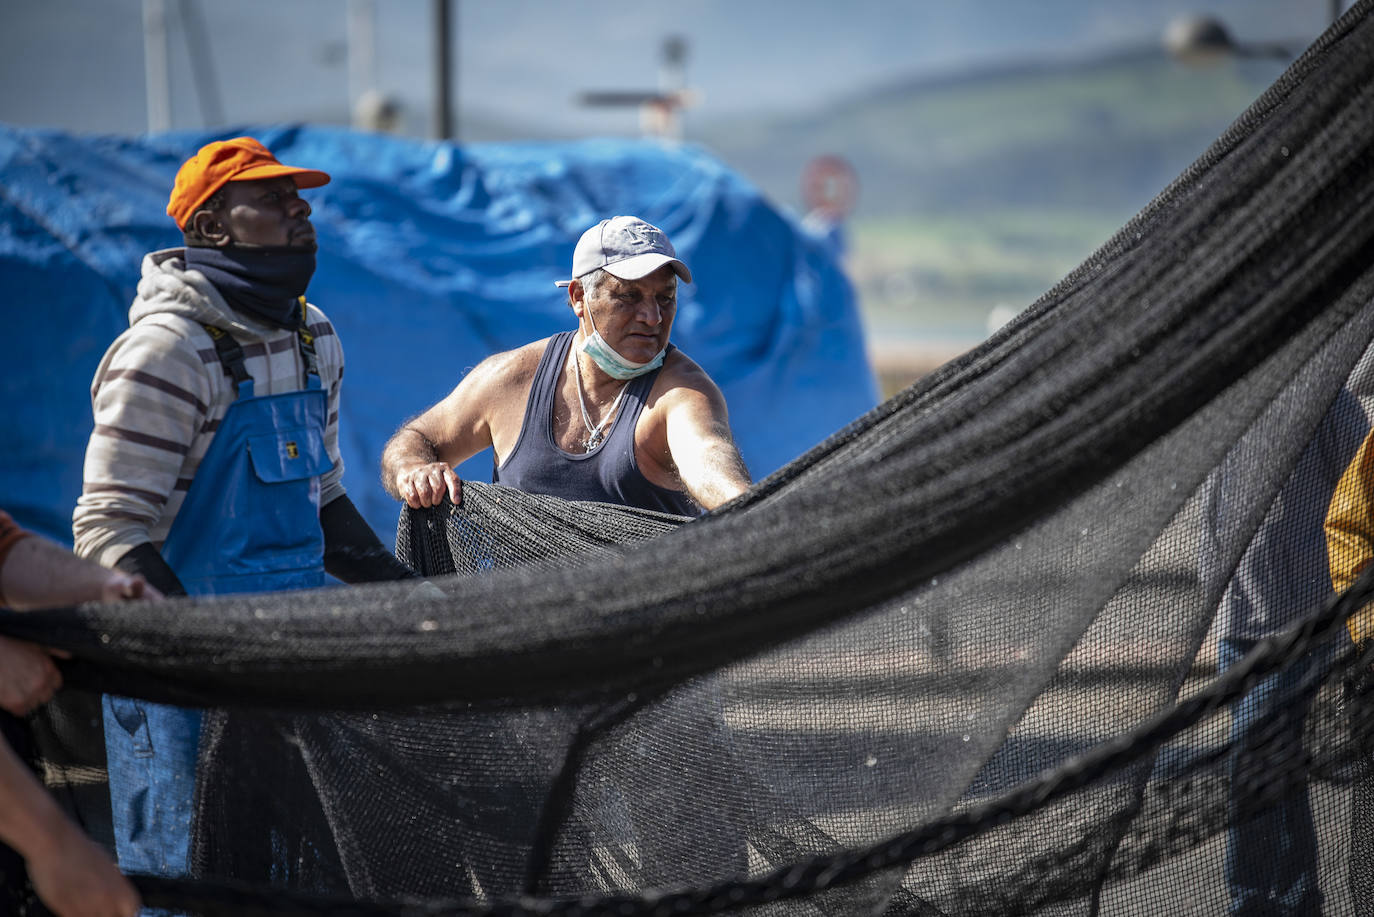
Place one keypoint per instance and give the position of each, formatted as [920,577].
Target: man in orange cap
[214,464]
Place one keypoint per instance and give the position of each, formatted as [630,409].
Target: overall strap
[230,354]
[306,341]
[231,357]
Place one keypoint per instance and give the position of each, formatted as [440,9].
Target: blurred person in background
[1350,548]
[1282,577]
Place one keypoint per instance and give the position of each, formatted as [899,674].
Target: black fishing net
[1051,632]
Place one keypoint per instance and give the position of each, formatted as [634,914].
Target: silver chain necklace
[595,436]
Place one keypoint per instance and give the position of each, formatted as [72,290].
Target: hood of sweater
[168,287]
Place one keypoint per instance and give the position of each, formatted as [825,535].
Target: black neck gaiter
[264,283]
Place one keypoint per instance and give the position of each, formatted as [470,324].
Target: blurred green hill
[978,192]
[1100,134]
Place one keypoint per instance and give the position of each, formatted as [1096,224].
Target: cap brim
[637,266]
[304,178]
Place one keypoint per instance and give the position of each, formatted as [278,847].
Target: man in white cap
[610,412]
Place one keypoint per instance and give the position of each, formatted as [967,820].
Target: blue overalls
[250,523]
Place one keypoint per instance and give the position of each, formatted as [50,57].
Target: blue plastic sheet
[432,257]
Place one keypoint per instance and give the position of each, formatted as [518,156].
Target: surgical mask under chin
[612,363]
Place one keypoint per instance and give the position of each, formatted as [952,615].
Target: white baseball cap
[626,247]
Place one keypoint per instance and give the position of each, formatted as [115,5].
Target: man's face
[635,316]
[267,212]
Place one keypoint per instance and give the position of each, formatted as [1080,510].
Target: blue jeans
[151,751]
[250,523]
[1271,857]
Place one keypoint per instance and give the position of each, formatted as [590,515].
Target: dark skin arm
[352,551]
[145,561]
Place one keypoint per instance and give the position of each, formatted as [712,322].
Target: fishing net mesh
[1051,632]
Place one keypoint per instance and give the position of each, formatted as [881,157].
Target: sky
[79,64]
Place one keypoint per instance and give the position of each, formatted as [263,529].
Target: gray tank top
[606,474]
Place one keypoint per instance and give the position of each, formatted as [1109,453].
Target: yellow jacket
[1350,532]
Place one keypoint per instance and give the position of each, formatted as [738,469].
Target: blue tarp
[432,257]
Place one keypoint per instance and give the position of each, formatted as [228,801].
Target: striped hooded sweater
[159,395]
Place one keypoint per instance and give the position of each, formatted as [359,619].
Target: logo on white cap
[647,235]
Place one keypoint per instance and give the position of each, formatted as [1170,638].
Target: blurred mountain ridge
[1102,134]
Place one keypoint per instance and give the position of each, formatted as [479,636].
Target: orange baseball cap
[240,159]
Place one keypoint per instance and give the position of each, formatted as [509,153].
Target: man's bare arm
[39,573]
[413,473]
[417,463]
[72,875]
[702,448]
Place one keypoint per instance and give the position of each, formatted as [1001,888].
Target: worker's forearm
[716,477]
[407,449]
[352,551]
[69,872]
[30,821]
[40,573]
